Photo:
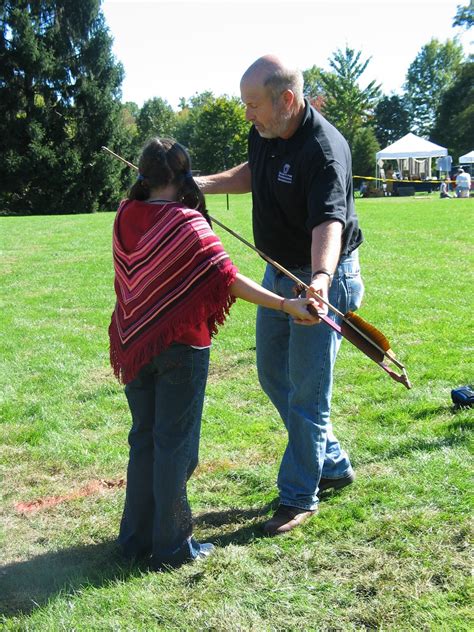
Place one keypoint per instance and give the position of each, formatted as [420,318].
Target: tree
[187,116]
[364,148]
[464,16]
[313,87]
[59,103]
[348,106]
[130,113]
[428,77]
[219,134]
[156,118]
[131,145]
[454,126]
[313,82]
[391,120]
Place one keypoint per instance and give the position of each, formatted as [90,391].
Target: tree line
[60,101]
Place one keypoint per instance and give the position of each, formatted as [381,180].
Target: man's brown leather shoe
[286,519]
[335,483]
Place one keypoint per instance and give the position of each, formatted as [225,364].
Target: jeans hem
[313,507]
[348,472]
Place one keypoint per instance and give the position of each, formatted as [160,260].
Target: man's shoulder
[322,132]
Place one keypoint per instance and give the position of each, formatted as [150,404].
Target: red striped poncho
[177,276]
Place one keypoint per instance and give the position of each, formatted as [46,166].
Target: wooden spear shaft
[285,272]
[247,243]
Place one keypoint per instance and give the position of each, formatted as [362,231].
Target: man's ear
[288,98]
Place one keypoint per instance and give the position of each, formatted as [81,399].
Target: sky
[177,48]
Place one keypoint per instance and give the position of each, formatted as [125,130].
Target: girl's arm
[245,288]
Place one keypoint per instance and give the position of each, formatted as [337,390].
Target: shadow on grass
[455,434]
[425,445]
[428,412]
[231,516]
[29,584]
[244,534]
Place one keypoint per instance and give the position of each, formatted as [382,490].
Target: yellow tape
[393,180]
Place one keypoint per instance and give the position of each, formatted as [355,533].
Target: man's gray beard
[279,124]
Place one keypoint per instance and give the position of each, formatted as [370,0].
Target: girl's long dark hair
[164,161]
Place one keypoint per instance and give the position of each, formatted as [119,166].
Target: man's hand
[320,284]
[325,252]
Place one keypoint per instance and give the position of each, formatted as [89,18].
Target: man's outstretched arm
[235,180]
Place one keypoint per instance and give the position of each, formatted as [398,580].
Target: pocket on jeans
[355,290]
[178,369]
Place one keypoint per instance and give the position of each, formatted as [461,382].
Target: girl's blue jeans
[166,401]
[295,367]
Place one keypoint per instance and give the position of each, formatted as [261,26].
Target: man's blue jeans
[295,368]
[166,401]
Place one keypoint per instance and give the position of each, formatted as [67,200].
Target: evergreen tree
[364,148]
[59,103]
[347,106]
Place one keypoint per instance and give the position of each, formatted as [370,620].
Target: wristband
[282,304]
[323,271]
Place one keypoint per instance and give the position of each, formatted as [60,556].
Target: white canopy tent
[417,151]
[467,159]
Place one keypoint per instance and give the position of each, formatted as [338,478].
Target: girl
[174,285]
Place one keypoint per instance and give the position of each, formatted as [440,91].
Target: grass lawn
[390,553]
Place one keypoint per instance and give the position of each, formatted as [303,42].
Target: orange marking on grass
[51,501]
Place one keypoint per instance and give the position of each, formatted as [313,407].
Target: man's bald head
[271,73]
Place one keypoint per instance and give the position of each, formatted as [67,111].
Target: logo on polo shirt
[284,175]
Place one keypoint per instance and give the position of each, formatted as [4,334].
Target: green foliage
[454,126]
[313,82]
[156,118]
[364,148]
[347,106]
[131,144]
[391,120]
[187,117]
[464,15]
[218,133]
[428,77]
[59,102]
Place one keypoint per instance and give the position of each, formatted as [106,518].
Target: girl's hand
[299,309]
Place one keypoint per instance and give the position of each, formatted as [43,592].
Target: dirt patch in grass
[94,487]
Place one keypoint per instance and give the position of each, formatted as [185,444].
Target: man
[463,183]
[299,172]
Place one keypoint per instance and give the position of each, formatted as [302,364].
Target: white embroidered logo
[284,176]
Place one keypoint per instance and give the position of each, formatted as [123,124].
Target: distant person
[463,183]
[174,285]
[299,171]
[389,177]
[444,188]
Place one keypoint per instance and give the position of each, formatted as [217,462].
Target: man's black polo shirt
[299,183]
